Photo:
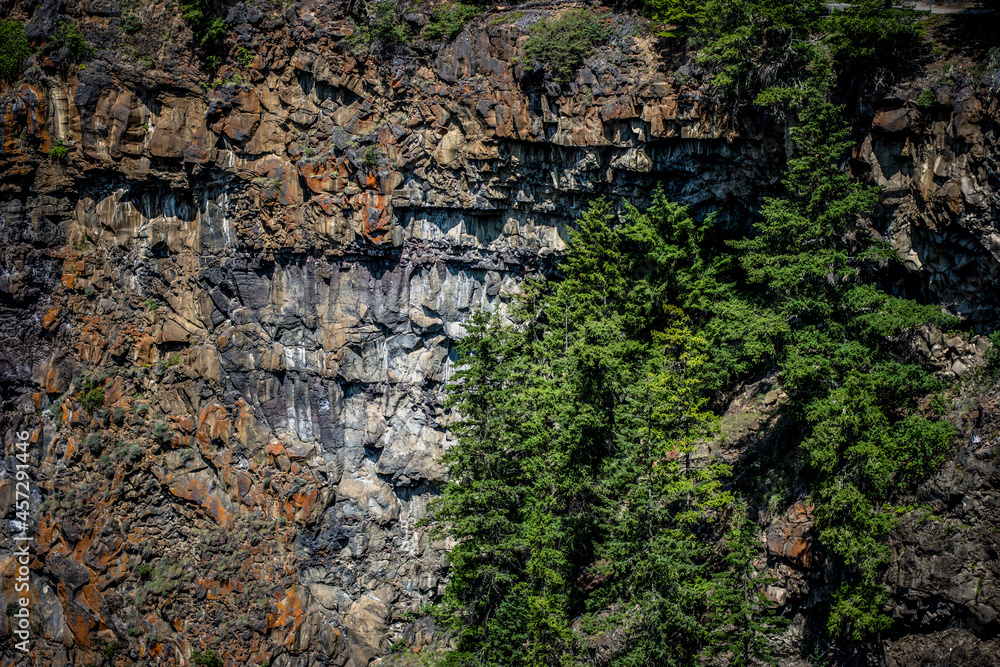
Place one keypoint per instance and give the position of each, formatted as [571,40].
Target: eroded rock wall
[266,273]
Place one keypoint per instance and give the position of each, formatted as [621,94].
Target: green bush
[450,20]
[93,399]
[94,443]
[370,158]
[69,34]
[926,99]
[385,24]
[58,151]
[110,649]
[208,30]
[206,658]
[13,49]
[160,431]
[992,355]
[562,43]
[381,24]
[143,572]
[132,24]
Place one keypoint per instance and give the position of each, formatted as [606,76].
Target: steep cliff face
[228,313]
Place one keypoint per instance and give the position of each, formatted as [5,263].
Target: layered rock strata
[229,313]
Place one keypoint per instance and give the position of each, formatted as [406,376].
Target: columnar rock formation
[265,275]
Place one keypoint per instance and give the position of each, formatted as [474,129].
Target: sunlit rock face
[268,277]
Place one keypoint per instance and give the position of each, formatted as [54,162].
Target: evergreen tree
[742,617]
[853,399]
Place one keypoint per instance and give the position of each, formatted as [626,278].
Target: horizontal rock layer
[267,273]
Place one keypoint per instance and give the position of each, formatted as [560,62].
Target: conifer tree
[742,618]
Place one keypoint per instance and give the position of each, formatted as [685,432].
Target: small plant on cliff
[143,572]
[370,158]
[108,649]
[58,151]
[245,57]
[160,432]
[450,20]
[13,49]
[151,304]
[926,99]
[132,24]
[380,26]
[206,658]
[208,30]
[69,34]
[992,355]
[93,399]
[94,443]
[560,44]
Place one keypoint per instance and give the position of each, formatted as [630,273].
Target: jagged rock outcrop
[228,314]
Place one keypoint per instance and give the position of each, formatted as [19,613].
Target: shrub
[208,30]
[13,48]
[370,158]
[206,658]
[132,24]
[160,431]
[992,355]
[245,57]
[381,24]
[94,443]
[93,399]
[927,99]
[143,572]
[77,45]
[59,151]
[110,649]
[450,20]
[562,43]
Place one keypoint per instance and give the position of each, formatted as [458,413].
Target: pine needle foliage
[14,48]
[561,43]
[587,519]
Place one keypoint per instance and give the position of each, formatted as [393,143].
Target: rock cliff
[229,311]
